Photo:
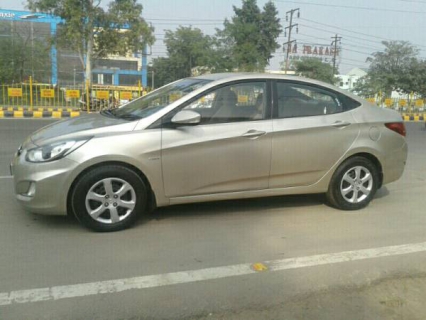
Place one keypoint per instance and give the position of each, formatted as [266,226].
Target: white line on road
[6,177]
[152,281]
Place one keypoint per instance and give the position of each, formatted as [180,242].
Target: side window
[233,103]
[297,100]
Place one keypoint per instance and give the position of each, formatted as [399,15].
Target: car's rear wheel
[354,184]
[109,198]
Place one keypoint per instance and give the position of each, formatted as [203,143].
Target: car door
[312,130]
[228,151]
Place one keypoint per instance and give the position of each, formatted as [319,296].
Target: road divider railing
[31,94]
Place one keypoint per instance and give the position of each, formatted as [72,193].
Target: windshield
[155,101]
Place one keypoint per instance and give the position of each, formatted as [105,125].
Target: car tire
[109,198]
[353,184]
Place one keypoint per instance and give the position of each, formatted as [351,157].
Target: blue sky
[362,24]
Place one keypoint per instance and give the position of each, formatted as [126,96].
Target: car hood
[86,125]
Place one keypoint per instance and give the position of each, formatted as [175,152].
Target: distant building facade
[65,65]
[349,80]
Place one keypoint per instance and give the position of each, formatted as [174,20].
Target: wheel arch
[376,162]
[152,203]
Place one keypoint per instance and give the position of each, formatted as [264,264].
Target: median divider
[56,113]
[416,117]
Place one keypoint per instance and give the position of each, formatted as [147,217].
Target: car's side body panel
[298,147]
[208,159]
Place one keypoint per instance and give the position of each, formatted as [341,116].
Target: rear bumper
[394,165]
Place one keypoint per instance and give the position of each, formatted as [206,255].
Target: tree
[413,78]
[366,87]
[96,33]
[270,29]
[315,69]
[162,75]
[390,69]
[253,34]
[222,59]
[187,48]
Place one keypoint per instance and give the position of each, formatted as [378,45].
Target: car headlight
[54,151]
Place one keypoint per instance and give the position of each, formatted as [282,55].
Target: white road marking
[152,281]
[6,177]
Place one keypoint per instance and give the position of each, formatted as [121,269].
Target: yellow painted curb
[1,114]
[406,118]
[9,108]
[18,114]
[56,114]
[38,114]
[74,114]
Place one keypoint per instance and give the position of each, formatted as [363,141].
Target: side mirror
[187,117]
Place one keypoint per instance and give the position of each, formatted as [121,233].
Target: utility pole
[334,43]
[152,79]
[290,28]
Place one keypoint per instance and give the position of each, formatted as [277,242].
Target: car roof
[241,75]
[253,75]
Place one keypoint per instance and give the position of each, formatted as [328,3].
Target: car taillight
[398,127]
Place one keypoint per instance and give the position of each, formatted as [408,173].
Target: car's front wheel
[109,198]
[354,184]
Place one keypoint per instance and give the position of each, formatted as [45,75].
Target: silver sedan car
[208,138]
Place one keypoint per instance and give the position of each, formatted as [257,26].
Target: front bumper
[42,187]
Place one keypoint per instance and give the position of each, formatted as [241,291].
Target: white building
[348,81]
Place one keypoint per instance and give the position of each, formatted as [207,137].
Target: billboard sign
[323,52]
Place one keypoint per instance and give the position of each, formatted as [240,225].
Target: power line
[363,52]
[360,33]
[166,19]
[188,24]
[351,36]
[335,27]
[415,1]
[351,7]
[359,45]
[328,31]
[315,37]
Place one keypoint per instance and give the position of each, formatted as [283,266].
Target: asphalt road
[364,271]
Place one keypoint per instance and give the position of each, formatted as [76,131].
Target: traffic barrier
[31,94]
[414,117]
[39,114]
[37,109]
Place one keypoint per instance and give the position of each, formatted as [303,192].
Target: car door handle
[341,124]
[253,134]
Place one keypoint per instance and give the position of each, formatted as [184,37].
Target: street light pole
[152,79]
